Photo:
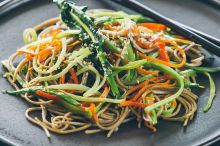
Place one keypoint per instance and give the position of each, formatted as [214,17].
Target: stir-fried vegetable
[75,17]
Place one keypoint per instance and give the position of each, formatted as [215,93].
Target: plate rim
[7,141]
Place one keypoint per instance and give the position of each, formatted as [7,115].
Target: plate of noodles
[78,75]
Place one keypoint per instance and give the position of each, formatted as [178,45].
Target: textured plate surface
[15,129]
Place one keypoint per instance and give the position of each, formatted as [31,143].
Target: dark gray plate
[15,129]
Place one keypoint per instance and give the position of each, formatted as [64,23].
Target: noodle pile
[61,77]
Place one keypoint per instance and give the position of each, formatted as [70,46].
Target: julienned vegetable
[75,17]
[212,92]
[95,70]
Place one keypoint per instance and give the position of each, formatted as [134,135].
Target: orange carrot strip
[153,26]
[45,51]
[163,52]
[44,56]
[74,76]
[62,79]
[146,72]
[29,56]
[46,95]
[140,92]
[94,115]
[57,45]
[134,88]
[133,103]
[32,48]
[144,88]
[109,27]
[174,103]
[54,32]
[90,107]
[105,92]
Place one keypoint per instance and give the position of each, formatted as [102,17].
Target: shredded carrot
[73,79]
[166,76]
[56,45]
[105,92]
[140,92]
[136,31]
[74,76]
[29,56]
[54,32]
[45,55]
[32,48]
[87,106]
[94,115]
[182,41]
[163,52]
[109,27]
[145,87]
[174,103]
[134,88]
[164,62]
[45,51]
[153,26]
[133,103]
[46,95]
[146,72]
[150,100]
[62,79]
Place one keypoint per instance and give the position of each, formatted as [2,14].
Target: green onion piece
[91,99]
[128,53]
[188,72]
[65,98]
[65,95]
[108,45]
[204,69]
[169,111]
[75,109]
[29,35]
[191,85]
[212,92]
[5,64]
[130,65]
[154,117]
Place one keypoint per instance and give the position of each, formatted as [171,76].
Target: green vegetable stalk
[162,68]
[75,17]
[212,92]
[172,73]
